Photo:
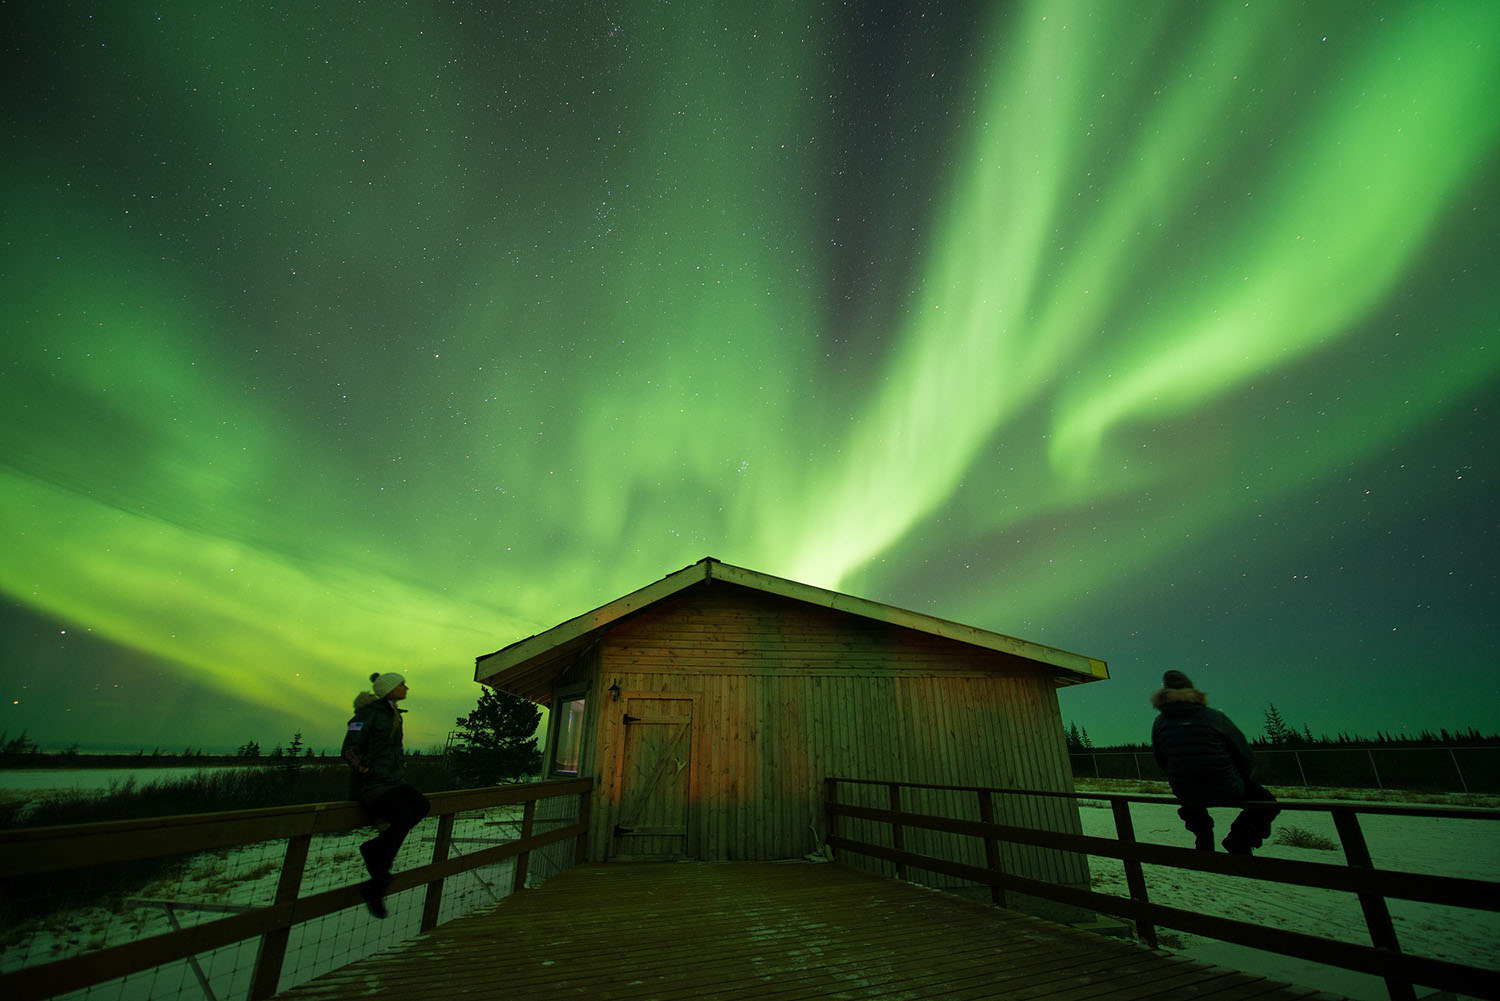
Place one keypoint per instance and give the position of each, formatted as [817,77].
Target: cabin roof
[527,667]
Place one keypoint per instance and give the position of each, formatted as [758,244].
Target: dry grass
[1296,837]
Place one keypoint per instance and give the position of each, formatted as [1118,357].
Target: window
[567,735]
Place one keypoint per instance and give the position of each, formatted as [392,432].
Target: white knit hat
[382,684]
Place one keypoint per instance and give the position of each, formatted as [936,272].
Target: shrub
[242,788]
[1296,837]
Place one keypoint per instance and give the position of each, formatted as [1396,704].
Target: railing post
[581,851]
[1377,915]
[1134,877]
[830,804]
[1458,768]
[523,861]
[272,951]
[991,848]
[898,837]
[1370,753]
[434,900]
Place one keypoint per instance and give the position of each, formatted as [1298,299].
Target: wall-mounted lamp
[614,692]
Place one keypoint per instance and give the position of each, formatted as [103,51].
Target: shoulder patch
[355,724]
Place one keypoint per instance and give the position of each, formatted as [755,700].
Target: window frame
[561,697]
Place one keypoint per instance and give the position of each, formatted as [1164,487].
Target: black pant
[404,808]
[1249,829]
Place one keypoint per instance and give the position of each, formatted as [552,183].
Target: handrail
[41,850]
[1284,805]
[1372,886]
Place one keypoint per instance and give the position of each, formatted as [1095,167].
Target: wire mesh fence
[83,912]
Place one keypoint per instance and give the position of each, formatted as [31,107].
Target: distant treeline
[23,752]
[1278,734]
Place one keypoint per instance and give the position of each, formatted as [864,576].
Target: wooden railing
[37,851]
[1358,875]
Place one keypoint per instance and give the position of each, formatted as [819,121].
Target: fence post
[1457,768]
[581,852]
[830,805]
[1377,915]
[1371,755]
[272,950]
[991,847]
[523,862]
[898,839]
[434,899]
[1134,877]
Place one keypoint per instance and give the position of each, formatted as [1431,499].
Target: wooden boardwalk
[776,931]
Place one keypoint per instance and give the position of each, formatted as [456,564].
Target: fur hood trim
[1167,696]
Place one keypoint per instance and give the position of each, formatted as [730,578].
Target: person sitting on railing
[1208,763]
[372,746]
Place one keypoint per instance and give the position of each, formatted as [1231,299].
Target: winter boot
[1234,846]
[380,873]
[373,890]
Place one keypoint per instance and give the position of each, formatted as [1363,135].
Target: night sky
[342,338]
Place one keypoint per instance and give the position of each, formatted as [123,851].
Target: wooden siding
[786,694]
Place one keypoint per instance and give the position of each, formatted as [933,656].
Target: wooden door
[655,779]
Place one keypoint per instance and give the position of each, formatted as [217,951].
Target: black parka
[1206,758]
[374,738]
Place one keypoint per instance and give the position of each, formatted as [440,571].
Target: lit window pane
[569,737]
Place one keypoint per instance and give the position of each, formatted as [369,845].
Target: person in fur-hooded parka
[372,746]
[1208,763]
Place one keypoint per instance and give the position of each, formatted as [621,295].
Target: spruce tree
[496,742]
[1277,732]
[293,761]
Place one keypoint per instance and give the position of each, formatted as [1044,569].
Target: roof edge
[1084,667]
[1073,668]
[571,629]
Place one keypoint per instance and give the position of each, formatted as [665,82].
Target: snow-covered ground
[246,877]
[1469,848]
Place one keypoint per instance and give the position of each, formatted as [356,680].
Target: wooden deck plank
[750,931]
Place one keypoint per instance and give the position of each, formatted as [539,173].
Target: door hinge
[629,719]
[622,830]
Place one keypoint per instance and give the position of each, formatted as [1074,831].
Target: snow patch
[1466,848]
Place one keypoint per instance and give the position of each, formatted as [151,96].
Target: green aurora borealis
[335,343]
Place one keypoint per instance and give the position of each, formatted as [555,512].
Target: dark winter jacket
[1206,758]
[374,739]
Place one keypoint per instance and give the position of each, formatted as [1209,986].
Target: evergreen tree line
[493,744]
[1282,735]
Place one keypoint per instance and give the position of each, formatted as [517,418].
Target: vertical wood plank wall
[788,693]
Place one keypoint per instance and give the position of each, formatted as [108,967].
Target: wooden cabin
[710,706]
